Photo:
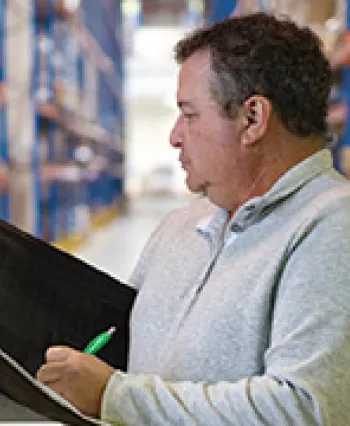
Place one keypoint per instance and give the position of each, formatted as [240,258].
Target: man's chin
[196,187]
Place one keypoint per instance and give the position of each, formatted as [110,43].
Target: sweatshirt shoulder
[323,196]
[333,199]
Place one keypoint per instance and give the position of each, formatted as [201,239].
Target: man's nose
[176,135]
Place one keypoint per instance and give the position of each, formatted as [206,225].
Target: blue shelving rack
[4,155]
[219,10]
[104,21]
[75,191]
[46,73]
[344,142]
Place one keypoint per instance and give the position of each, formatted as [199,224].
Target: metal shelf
[71,103]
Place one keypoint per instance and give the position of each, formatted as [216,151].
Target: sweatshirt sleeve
[306,380]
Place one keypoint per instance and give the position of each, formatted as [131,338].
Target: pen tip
[111,330]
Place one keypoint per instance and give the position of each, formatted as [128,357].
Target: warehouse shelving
[74,92]
[4,197]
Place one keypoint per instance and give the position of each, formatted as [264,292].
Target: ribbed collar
[250,212]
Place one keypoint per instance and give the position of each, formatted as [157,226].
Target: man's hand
[78,377]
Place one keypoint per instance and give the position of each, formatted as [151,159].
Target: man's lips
[184,165]
[184,162]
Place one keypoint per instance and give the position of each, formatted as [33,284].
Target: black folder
[49,297]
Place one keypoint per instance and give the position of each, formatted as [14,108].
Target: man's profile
[243,311]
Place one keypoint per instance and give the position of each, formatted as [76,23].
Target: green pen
[99,341]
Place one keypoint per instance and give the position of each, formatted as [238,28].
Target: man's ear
[257,113]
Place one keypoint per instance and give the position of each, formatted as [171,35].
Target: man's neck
[274,165]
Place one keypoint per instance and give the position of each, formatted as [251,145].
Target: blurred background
[87,101]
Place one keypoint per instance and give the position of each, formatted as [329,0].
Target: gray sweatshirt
[245,324]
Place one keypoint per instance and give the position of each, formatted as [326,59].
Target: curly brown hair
[260,54]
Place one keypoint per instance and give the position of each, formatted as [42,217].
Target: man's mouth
[184,165]
[183,162]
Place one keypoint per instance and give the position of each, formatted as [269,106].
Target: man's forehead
[197,64]
[194,77]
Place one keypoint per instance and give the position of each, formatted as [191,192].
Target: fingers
[49,373]
[56,360]
[57,353]
[78,377]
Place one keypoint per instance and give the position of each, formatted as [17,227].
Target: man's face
[209,144]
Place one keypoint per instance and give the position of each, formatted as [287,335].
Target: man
[243,314]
